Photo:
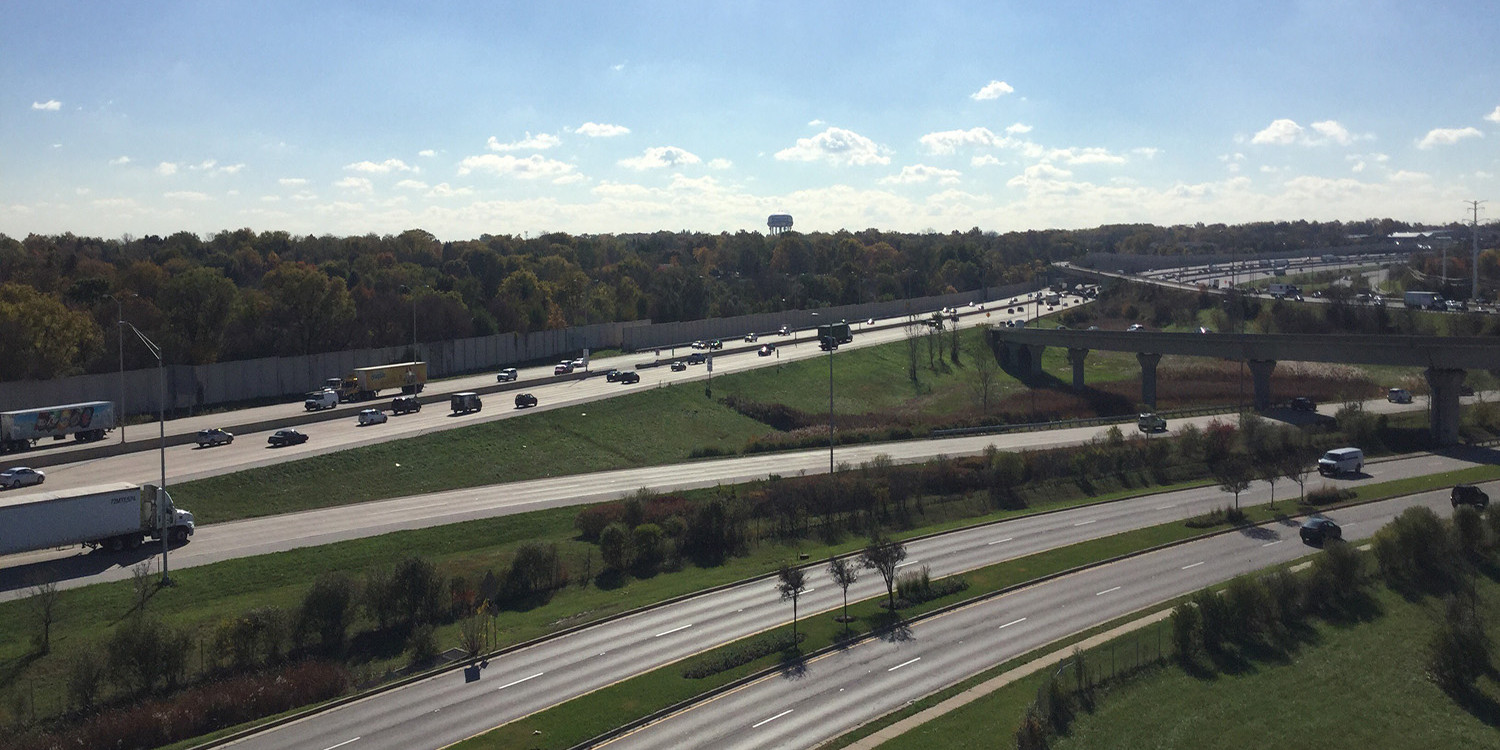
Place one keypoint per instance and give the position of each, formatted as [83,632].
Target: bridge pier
[1034,354]
[1260,373]
[1148,362]
[1075,358]
[1444,415]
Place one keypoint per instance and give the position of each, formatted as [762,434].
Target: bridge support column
[1444,415]
[1148,377]
[1035,368]
[1260,373]
[1075,358]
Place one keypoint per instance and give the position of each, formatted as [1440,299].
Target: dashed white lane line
[1012,622]
[1164,507]
[1194,565]
[341,744]
[1268,544]
[1106,591]
[908,562]
[673,630]
[904,663]
[1085,523]
[517,682]
[999,541]
[758,724]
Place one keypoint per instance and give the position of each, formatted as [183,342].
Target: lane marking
[909,562]
[517,682]
[341,744]
[758,724]
[1000,541]
[1194,565]
[1164,507]
[1278,541]
[673,630]
[1106,591]
[1085,523]
[1012,622]
[904,663]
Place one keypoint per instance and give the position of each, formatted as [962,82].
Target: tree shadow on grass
[610,580]
[1478,704]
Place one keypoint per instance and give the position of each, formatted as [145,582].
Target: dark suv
[1468,494]
[1303,403]
[627,377]
[524,400]
[404,404]
[1317,530]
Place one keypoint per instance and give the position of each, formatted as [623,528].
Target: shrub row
[740,653]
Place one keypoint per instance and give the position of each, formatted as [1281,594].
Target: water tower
[779,223]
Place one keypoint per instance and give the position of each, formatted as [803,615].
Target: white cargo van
[1341,461]
[324,399]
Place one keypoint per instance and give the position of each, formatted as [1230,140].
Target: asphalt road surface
[836,693]
[443,709]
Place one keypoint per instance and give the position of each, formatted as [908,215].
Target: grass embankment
[1329,691]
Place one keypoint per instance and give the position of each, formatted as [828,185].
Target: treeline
[242,294]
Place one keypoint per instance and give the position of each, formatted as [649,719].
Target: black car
[614,375]
[285,437]
[524,400]
[628,377]
[1468,494]
[404,404]
[697,358]
[679,366]
[1303,403]
[1317,530]
[766,350]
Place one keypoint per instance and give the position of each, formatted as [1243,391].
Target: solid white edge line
[1106,591]
[1194,565]
[512,684]
[1012,622]
[673,630]
[758,724]
[341,744]
[904,663]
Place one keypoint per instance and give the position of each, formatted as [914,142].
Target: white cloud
[917,173]
[836,146]
[411,185]
[1088,155]
[1286,132]
[602,130]
[1018,128]
[444,190]
[389,165]
[119,161]
[427,152]
[529,143]
[270,199]
[985,160]
[1150,152]
[166,169]
[51,105]
[231,168]
[1447,136]
[292,181]
[816,123]
[532,167]
[949,141]
[355,184]
[1037,174]
[720,163]
[658,157]
[204,165]
[992,90]
[1494,116]
[187,195]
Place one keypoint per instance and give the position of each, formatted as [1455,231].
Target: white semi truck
[91,420]
[116,517]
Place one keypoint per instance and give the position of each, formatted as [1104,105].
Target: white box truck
[91,420]
[117,517]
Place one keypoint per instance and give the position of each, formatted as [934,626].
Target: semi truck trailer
[116,517]
[366,383]
[91,420]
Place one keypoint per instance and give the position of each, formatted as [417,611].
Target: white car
[371,416]
[21,476]
[1135,327]
[507,375]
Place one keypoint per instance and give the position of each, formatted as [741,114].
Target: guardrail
[1082,422]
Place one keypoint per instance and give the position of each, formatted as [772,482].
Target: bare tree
[883,555]
[1296,468]
[913,348]
[986,378]
[473,631]
[844,574]
[142,583]
[791,582]
[1269,472]
[42,604]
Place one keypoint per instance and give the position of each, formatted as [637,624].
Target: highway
[435,712]
[844,689]
[188,462]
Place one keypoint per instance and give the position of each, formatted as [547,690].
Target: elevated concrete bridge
[1445,359]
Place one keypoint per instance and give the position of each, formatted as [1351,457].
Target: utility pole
[1474,241]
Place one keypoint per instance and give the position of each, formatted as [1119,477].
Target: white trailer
[116,516]
[91,420]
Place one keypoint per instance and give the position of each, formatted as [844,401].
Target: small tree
[87,668]
[614,546]
[1233,473]
[844,574]
[1296,468]
[883,555]
[327,610]
[141,583]
[42,605]
[791,582]
[473,633]
[986,378]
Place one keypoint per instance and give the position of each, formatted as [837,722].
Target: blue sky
[467,118]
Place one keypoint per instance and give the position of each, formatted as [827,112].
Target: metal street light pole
[120,329]
[161,420]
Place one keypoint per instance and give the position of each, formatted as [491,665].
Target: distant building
[779,223]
